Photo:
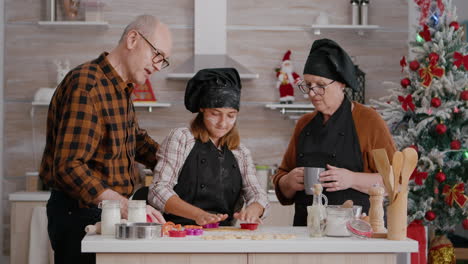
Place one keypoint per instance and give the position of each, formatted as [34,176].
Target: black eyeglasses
[158,57]
[318,89]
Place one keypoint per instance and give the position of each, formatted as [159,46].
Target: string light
[419,38]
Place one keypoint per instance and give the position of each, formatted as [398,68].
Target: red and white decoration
[286,79]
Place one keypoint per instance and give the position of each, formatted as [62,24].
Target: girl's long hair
[200,132]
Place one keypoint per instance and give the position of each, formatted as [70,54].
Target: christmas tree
[428,111]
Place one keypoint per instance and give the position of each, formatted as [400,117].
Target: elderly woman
[339,136]
[204,174]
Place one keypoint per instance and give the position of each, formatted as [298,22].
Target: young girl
[204,174]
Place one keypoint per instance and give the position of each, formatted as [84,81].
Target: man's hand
[155,215]
[112,195]
[251,214]
[207,218]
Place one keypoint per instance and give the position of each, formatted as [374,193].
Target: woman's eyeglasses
[318,89]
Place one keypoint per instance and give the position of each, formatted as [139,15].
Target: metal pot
[137,231]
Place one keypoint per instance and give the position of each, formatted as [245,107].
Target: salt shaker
[376,211]
[137,211]
[110,216]
[355,12]
[364,12]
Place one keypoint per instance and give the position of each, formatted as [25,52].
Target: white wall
[413,15]
[462,9]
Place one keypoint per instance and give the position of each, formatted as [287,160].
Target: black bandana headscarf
[213,88]
[327,59]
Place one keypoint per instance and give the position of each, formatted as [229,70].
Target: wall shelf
[150,105]
[297,109]
[359,28]
[103,24]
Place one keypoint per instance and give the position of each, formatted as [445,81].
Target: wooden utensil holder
[397,214]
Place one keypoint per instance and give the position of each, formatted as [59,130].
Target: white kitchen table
[299,250]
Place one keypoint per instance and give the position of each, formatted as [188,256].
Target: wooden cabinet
[21,213]
[22,206]
[245,258]
[171,258]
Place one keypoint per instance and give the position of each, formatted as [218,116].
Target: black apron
[211,180]
[335,143]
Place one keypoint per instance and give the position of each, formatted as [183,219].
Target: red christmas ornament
[415,147]
[403,63]
[430,215]
[460,59]
[436,102]
[455,25]
[465,224]
[426,33]
[455,194]
[407,102]
[418,176]
[428,73]
[441,129]
[464,95]
[455,144]
[405,82]
[440,176]
[433,57]
[424,6]
[456,110]
[414,65]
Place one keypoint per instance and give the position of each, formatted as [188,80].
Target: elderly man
[93,138]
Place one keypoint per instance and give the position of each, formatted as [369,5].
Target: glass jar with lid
[337,217]
[110,216]
[136,211]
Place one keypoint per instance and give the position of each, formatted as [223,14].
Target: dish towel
[40,251]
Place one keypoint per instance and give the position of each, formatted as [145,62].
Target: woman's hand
[155,215]
[251,214]
[294,180]
[205,218]
[337,179]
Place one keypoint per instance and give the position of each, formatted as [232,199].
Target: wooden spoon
[409,164]
[383,167]
[391,180]
[397,163]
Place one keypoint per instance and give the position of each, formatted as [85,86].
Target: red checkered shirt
[93,138]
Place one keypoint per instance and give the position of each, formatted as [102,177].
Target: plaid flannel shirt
[93,138]
[171,156]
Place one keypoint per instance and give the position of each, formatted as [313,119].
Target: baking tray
[132,231]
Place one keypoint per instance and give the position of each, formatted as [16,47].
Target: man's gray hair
[145,24]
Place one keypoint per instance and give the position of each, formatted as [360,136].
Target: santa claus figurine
[286,79]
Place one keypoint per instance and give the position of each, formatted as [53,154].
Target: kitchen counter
[322,250]
[29,196]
